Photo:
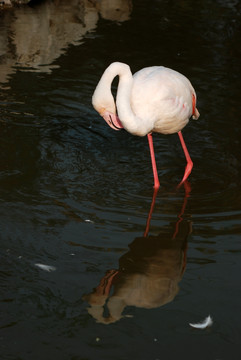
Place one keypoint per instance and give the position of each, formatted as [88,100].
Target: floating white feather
[48,268]
[203,324]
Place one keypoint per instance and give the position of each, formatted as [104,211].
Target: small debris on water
[203,324]
[44,267]
[89,221]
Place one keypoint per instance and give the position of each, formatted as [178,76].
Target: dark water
[75,195]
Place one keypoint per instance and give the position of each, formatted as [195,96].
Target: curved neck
[129,120]
[123,99]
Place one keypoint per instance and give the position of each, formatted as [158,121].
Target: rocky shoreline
[10,3]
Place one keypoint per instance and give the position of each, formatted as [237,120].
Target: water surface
[76,195]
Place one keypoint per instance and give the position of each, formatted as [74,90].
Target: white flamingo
[154,99]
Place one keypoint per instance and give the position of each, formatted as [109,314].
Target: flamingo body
[154,99]
[164,97]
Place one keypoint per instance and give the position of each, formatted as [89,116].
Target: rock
[8,3]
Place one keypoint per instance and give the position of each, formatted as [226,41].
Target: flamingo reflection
[148,273]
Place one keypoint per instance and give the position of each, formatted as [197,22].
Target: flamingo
[154,99]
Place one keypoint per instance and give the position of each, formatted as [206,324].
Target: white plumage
[163,97]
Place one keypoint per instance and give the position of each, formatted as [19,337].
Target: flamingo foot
[187,172]
[189,165]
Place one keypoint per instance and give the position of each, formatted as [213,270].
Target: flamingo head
[108,112]
[112,119]
[104,104]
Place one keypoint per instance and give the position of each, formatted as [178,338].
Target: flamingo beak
[112,120]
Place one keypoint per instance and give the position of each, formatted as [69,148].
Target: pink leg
[153,161]
[189,165]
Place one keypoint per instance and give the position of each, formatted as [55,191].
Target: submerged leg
[189,165]
[187,188]
[155,191]
[153,161]
[106,282]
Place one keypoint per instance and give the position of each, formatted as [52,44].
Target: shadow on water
[148,273]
